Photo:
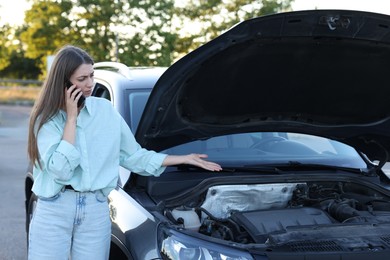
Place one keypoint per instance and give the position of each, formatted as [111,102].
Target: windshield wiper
[307,166]
[257,168]
[296,165]
[282,168]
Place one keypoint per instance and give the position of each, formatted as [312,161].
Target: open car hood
[321,72]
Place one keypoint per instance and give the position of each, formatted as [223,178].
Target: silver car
[295,107]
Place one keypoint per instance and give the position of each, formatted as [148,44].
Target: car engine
[336,213]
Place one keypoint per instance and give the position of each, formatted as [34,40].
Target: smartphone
[81,99]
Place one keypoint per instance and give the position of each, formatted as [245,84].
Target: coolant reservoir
[191,219]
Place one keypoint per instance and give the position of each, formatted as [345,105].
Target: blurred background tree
[134,32]
[5,46]
[47,27]
[213,17]
[146,36]
[13,60]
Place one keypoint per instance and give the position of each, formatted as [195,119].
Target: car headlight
[176,246]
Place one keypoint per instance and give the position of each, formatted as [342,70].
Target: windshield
[273,148]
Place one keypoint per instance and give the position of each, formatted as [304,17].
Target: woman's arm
[145,162]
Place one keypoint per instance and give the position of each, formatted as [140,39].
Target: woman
[76,151]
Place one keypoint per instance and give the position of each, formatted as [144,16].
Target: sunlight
[12,12]
[377,6]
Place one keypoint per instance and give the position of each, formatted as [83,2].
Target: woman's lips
[88,93]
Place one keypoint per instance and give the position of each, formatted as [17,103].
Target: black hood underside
[322,72]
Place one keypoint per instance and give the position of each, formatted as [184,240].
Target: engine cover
[259,224]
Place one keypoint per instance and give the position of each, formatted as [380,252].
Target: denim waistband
[99,193]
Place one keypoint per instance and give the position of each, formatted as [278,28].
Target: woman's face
[83,79]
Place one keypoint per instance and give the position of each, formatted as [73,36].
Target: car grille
[386,239]
[314,246]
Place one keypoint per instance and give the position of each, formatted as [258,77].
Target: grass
[18,95]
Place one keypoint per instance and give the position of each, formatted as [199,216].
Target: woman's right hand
[72,95]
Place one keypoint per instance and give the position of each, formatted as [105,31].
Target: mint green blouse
[103,143]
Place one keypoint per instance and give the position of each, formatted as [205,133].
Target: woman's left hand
[198,160]
[192,159]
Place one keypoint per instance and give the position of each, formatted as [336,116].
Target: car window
[137,102]
[273,147]
[101,91]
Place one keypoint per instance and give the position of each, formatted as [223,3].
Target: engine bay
[342,215]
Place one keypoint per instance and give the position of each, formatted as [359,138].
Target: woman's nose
[91,82]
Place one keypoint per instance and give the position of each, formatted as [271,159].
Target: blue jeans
[70,224]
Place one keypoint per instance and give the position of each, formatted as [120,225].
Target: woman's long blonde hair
[52,97]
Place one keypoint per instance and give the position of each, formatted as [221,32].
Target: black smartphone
[81,99]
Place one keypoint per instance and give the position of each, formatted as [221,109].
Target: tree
[213,17]
[5,45]
[13,63]
[20,67]
[156,35]
[95,20]
[48,26]
[135,32]
[148,39]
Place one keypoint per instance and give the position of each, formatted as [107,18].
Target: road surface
[13,164]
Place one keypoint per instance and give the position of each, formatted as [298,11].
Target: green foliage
[13,61]
[216,16]
[95,20]
[47,27]
[135,32]
[147,39]
[5,46]
[20,67]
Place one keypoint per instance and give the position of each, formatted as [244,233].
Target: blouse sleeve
[57,157]
[137,159]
